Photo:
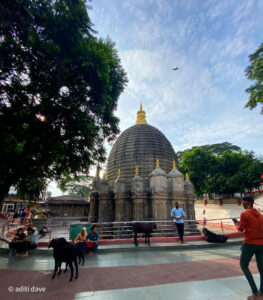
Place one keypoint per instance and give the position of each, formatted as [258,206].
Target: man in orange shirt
[251,222]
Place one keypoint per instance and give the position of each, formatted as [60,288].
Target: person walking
[251,222]
[178,215]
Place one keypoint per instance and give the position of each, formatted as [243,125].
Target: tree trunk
[4,189]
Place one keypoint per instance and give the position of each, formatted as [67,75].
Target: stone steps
[122,230]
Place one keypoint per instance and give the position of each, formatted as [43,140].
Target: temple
[141,181]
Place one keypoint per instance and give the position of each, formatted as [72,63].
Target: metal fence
[122,230]
[60,227]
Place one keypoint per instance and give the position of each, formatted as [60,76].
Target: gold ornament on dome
[141,117]
[119,172]
[186,176]
[137,171]
[174,164]
[157,163]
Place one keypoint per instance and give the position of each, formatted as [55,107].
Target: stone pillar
[138,212]
[176,189]
[159,191]
[119,196]
[94,207]
[94,200]
[105,202]
[189,198]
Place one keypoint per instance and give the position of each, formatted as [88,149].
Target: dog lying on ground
[214,238]
[146,228]
[64,252]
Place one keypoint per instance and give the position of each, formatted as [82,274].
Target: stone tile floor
[233,288]
[190,274]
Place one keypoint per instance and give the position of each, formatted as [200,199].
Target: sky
[209,41]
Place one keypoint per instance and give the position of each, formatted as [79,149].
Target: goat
[64,252]
[146,228]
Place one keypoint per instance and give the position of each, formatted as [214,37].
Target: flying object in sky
[175,69]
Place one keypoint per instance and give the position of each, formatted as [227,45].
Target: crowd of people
[20,217]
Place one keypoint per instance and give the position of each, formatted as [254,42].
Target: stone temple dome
[140,146]
[141,180]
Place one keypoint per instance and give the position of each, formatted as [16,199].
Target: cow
[142,227]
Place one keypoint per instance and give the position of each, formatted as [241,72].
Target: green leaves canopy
[59,86]
[228,173]
[254,72]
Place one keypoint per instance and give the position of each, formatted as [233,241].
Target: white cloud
[209,41]
[235,130]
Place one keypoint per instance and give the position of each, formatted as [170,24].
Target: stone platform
[208,273]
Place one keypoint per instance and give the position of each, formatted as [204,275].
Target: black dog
[64,252]
[80,249]
[211,237]
[146,228]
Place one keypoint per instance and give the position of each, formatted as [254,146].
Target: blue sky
[203,102]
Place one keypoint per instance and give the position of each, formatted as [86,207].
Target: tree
[228,173]
[254,72]
[59,87]
[217,149]
[199,164]
[251,170]
[226,176]
[31,188]
[79,186]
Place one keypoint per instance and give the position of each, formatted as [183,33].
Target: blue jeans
[247,252]
[94,248]
[31,246]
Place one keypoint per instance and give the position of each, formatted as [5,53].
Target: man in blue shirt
[178,215]
[93,236]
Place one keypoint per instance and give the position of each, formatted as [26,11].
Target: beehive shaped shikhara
[141,180]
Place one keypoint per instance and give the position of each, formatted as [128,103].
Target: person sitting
[18,243]
[43,232]
[93,236]
[82,236]
[15,216]
[31,242]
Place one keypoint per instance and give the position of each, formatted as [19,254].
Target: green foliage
[217,149]
[31,188]
[78,190]
[254,72]
[198,163]
[59,87]
[228,173]
[78,186]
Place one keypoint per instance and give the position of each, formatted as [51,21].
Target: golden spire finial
[141,118]
[186,176]
[105,175]
[119,172]
[157,163]
[137,171]
[174,164]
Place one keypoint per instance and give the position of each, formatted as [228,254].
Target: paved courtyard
[205,273]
